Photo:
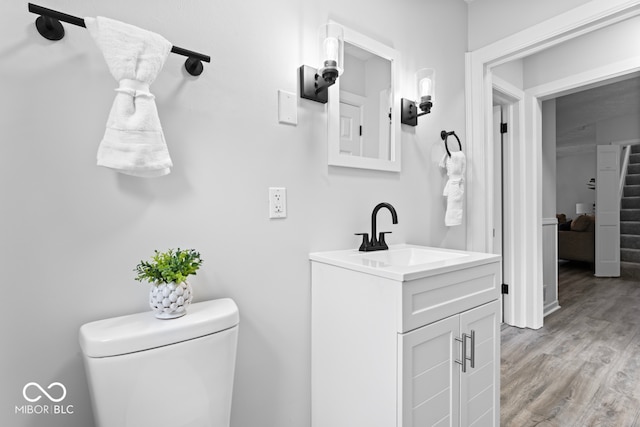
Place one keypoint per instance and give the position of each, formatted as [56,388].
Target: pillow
[581,223]
[565,226]
[562,218]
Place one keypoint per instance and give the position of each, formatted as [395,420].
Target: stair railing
[626,153]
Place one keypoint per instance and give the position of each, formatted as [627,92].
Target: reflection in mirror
[365,104]
[363,119]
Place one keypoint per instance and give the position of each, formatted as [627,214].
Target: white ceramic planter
[170,300]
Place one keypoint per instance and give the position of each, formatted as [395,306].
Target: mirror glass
[364,126]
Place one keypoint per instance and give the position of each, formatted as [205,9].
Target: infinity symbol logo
[39,387]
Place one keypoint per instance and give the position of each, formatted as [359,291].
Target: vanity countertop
[404,262]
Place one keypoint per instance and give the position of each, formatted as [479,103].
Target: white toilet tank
[146,372]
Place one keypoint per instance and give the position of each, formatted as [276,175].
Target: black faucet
[377,244]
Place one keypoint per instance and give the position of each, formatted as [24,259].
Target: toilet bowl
[145,372]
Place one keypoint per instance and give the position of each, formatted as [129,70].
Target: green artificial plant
[170,266]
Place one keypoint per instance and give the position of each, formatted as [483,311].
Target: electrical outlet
[277,202]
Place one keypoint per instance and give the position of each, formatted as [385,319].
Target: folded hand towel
[133,142]
[454,188]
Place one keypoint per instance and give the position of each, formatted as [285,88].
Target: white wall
[588,52]
[72,232]
[577,165]
[607,45]
[573,173]
[511,72]
[492,20]
[591,51]
[624,128]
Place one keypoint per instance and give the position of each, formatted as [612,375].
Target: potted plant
[167,272]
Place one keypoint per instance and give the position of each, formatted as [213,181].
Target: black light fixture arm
[313,86]
[48,25]
[409,111]
[324,83]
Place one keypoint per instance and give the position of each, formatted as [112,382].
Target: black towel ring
[444,135]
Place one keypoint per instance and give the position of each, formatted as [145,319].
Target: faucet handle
[365,241]
[381,241]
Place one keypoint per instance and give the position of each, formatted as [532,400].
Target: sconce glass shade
[331,51]
[426,82]
[426,79]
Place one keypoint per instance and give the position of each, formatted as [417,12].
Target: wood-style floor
[583,367]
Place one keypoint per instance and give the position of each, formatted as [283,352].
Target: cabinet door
[480,385]
[428,381]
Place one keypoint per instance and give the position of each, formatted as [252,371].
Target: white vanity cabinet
[434,389]
[387,340]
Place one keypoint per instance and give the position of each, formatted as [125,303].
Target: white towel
[133,142]
[454,188]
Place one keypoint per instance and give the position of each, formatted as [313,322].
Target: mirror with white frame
[363,112]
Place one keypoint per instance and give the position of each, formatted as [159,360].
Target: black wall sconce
[426,79]
[314,82]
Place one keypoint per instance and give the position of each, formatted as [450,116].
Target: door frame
[512,99]
[596,14]
[355,101]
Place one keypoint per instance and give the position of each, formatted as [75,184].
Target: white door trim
[573,23]
[513,98]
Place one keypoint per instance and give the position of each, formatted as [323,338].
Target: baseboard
[550,308]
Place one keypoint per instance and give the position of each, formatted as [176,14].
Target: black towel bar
[49,26]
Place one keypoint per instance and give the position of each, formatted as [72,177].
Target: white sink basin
[404,257]
[404,262]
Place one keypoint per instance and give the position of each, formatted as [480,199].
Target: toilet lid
[143,331]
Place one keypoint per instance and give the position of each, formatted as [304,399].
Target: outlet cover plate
[287,108]
[277,202]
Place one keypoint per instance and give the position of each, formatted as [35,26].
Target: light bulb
[426,87]
[331,48]
[330,51]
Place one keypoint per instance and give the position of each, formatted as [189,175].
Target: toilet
[144,372]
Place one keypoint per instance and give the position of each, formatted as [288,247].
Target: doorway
[580,21]
[587,120]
